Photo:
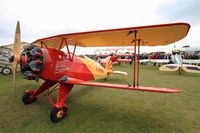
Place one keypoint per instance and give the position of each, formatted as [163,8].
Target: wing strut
[67,43]
[138,62]
[136,59]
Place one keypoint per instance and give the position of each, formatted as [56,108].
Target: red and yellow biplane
[43,59]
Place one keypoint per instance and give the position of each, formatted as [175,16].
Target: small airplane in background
[43,59]
[5,54]
[173,62]
[191,55]
[177,64]
[4,61]
[155,58]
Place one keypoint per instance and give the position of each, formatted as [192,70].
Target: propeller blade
[14,82]
[16,52]
[17,44]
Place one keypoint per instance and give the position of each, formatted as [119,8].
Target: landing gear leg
[59,111]
[179,71]
[31,96]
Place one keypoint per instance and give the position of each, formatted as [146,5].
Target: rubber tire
[54,111]
[26,99]
[8,69]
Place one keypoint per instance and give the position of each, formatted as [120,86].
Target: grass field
[101,110]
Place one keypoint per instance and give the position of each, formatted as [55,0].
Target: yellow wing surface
[152,35]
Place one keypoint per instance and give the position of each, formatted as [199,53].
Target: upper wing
[120,86]
[191,61]
[152,35]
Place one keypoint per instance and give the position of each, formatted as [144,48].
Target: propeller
[16,52]
[30,59]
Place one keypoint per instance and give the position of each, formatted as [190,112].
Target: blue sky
[43,18]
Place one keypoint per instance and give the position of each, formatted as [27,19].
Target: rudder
[107,64]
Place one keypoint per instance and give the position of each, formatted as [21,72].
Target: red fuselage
[57,64]
[52,64]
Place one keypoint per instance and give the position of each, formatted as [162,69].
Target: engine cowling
[31,62]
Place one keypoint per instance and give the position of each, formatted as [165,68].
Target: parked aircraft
[43,59]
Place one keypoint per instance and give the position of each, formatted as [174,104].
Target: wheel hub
[60,113]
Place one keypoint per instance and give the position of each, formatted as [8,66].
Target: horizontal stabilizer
[120,86]
[191,68]
[120,72]
[159,60]
[170,67]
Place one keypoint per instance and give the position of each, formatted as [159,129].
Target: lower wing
[120,86]
[184,67]
[191,61]
[170,67]
[191,68]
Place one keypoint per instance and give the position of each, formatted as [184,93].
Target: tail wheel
[27,98]
[6,71]
[58,114]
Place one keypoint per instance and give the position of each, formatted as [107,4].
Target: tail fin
[107,64]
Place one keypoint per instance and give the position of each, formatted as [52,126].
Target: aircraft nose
[31,62]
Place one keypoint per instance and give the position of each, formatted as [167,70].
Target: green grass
[102,110]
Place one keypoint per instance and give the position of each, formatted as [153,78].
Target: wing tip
[159,90]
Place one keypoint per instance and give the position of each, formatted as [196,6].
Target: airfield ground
[101,110]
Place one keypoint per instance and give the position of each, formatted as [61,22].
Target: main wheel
[6,71]
[27,99]
[58,114]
